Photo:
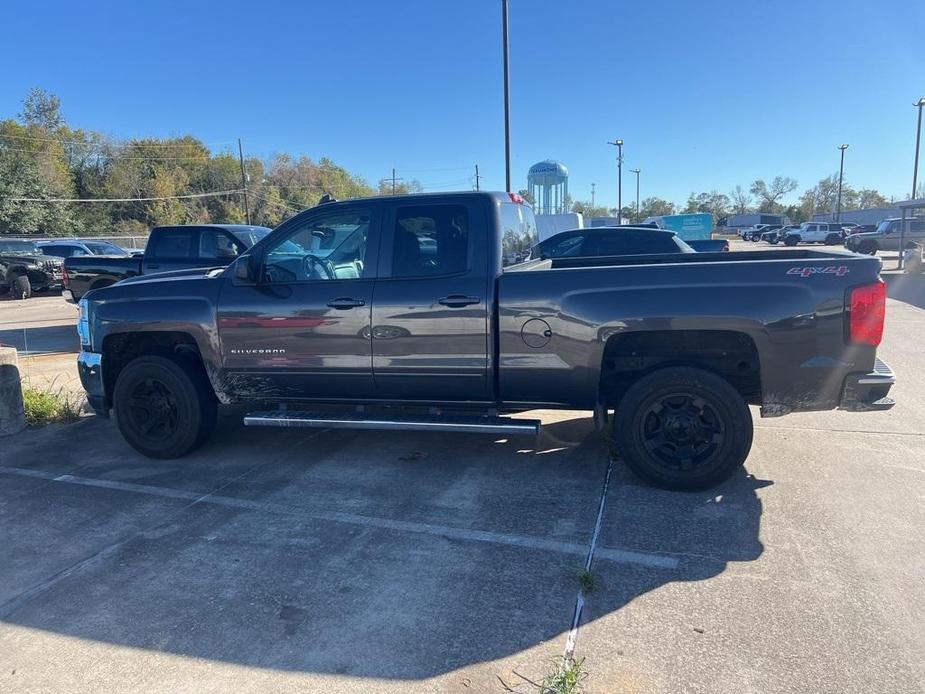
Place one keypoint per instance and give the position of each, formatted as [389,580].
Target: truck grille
[52,268]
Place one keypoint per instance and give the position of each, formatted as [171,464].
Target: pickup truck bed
[169,248]
[405,303]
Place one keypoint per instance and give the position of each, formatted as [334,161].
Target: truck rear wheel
[833,239]
[164,407]
[683,428]
[22,287]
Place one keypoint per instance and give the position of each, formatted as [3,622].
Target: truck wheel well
[122,348]
[729,354]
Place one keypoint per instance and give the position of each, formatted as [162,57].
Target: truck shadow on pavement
[380,555]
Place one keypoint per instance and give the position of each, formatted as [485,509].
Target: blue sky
[705,95]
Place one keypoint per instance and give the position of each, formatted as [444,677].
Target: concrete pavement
[367,562]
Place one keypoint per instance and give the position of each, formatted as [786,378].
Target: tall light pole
[507,101]
[841,173]
[918,138]
[592,198]
[636,171]
[619,145]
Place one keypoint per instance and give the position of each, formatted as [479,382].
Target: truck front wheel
[683,428]
[164,406]
[791,240]
[22,287]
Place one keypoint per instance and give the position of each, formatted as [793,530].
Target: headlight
[83,324]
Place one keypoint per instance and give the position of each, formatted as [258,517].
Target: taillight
[64,276]
[517,197]
[867,313]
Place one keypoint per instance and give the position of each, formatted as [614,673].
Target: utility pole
[619,145]
[841,173]
[247,211]
[507,100]
[636,171]
[477,177]
[918,138]
[394,179]
[592,198]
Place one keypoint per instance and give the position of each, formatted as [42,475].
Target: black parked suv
[24,269]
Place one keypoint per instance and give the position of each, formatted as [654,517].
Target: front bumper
[90,368]
[868,392]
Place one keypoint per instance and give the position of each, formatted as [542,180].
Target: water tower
[548,184]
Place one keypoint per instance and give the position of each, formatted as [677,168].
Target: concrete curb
[12,414]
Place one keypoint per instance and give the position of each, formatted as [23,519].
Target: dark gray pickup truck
[398,313]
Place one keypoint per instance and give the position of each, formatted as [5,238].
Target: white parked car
[815,232]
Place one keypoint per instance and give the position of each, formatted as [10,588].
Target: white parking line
[661,561]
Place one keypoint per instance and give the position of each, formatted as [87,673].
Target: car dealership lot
[365,561]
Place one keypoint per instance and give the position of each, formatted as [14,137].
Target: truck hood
[188,274]
[31,259]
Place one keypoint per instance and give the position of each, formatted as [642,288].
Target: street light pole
[918,138]
[636,171]
[619,145]
[841,173]
[592,198]
[507,100]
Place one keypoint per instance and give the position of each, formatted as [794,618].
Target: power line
[125,143]
[205,156]
[166,197]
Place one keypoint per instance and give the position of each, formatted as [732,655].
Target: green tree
[655,207]
[868,197]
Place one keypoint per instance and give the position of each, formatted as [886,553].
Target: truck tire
[833,239]
[791,240]
[21,288]
[683,428]
[868,247]
[164,406]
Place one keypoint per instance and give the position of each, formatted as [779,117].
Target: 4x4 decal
[838,271]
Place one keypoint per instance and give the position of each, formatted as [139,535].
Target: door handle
[345,302]
[458,300]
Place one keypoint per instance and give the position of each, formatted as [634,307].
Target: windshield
[250,236]
[12,247]
[104,248]
[884,226]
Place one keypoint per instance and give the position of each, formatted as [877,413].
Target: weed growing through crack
[566,677]
[587,579]
[45,406]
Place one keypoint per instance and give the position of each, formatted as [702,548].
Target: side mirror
[243,270]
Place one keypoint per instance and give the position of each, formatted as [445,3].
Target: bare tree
[741,200]
[768,195]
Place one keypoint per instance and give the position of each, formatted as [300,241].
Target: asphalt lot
[378,562]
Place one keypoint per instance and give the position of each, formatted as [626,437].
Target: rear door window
[174,243]
[430,240]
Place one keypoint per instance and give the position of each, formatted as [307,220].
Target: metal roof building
[872,215]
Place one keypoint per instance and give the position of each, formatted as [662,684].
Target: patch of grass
[566,677]
[48,406]
[587,579]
